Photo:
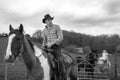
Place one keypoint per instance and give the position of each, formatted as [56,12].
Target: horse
[37,62]
[88,62]
[103,62]
[92,59]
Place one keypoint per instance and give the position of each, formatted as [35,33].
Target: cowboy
[52,37]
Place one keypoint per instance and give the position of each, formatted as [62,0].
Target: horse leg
[68,74]
[89,70]
[27,75]
[30,78]
[54,77]
[63,74]
[68,78]
[92,72]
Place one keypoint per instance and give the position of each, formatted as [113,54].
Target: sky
[93,17]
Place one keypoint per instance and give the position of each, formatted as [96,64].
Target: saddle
[67,59]
[57,64]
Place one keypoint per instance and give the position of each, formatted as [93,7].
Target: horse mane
[30,42]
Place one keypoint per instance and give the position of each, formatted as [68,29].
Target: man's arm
[59,34]
[44,39]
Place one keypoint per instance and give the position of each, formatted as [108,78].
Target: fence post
[115,59]
[6,66]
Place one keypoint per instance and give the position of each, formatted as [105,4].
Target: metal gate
[93,73]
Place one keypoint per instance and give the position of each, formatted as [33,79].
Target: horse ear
[20,28]
[10,27]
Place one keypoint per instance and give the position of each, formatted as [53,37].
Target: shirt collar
[48,26]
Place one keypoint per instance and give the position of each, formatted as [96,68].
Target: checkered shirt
[52,34]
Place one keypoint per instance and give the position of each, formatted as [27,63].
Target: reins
[46,50]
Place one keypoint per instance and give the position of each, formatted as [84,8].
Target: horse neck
[28,54]
[92,56]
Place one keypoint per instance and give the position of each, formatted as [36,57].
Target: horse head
[105,55]
[14,47]
[92,55]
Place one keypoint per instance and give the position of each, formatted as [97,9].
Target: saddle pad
[67,58]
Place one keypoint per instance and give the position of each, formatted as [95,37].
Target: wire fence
[13,72]
[112,74]
[87,71]
[18,71]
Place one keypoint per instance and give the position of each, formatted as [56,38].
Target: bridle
[19,50]
[22,48]
[46,50]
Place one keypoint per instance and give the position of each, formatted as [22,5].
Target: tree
[37,34]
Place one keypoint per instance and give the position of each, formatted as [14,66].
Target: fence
[18,71]
[87,71]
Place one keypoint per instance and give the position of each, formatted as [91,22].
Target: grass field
[18,71]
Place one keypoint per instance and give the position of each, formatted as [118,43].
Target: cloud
[25,7]
[113,7]
[78,15]
[76,7]
[93,21]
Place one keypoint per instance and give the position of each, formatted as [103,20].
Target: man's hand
[52,43]
[43,47]
[49,45]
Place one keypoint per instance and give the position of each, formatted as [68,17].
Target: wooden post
[115,59]
[6,66]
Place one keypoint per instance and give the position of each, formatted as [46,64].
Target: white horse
[104,62]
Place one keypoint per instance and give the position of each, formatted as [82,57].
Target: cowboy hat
[47,17]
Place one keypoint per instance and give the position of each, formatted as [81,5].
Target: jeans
[58,56]
[56,51]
